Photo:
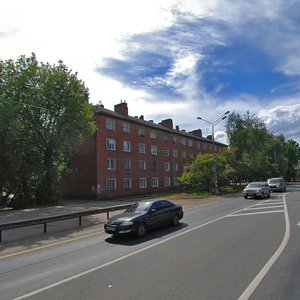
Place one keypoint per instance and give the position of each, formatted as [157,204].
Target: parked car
[257,190]
[143,216]
[277,184]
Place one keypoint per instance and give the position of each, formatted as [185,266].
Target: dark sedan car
[142,216]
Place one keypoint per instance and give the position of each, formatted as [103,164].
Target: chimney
[197,132]
[168,123]
[177,127]
[141,117]
[122,108]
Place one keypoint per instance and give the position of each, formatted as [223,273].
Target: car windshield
[274,181]
[254,185]
[138,207]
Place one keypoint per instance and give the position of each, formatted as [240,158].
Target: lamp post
[213,124]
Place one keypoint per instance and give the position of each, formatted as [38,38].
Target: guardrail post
[107,215]
[79,220]
[45,227]
[0,235]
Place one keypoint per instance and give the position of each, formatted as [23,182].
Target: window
[143,183]
[153,134]
[111,164]
[142,148]
[110,144]
[175,166]
[198,144]
[126,127]
[110,124]
[165,137]
[190,143]
[183,141]
[111,184]
[174,152]
[127,183]
[183,154]
[176,181]
[153,149]
[191,155]
[154,181]
[174,139]
[127,164]
[141,131]
[126,146]
[142,165]
[154,166]
[167,181]
[204,146]
[166,152]
[166,166]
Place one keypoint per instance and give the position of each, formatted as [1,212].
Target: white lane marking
[259,277]
[55,284]
[265,207]
[256,213]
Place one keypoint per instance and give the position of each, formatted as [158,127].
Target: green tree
[200,172]
[293,156]
[44,114]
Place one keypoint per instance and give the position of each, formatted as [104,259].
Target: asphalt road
[234,249]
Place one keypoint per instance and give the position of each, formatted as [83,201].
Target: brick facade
[129,155]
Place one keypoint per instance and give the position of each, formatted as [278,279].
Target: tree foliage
[44,113]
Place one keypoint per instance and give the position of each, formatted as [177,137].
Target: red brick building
[129,155]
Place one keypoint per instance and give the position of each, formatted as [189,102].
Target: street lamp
[213,124]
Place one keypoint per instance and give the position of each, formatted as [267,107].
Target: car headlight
[126,223]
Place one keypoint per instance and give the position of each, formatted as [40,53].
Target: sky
[178,59]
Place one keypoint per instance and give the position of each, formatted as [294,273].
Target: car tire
[246,197]
[175,220]
[141,230]
[262,195]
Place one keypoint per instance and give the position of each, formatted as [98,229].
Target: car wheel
[246,197]
[262,195]
[141,230]
[175,220]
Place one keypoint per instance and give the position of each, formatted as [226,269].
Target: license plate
[110,228]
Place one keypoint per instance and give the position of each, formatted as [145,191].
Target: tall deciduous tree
[44,113]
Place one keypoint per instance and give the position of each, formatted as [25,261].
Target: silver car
[277,184]
[257,190]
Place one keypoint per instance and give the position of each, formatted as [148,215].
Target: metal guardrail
[46,220]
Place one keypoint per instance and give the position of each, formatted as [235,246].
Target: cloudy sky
[171,58]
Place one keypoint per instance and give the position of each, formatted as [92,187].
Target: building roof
[140,120]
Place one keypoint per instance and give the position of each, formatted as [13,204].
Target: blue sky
[171,58]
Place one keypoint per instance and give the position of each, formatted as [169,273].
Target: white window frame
[110,144]
[143,183]
[166,151]
[127,183]
[183,154]
[176,181]
[153,150]
[175,167]
[142,165]
[110,163]
[142,148]
[126,127]
[154,182]
[183,141]
[153,134]
[141,131]
[166,166]
[110,124]
[167,181]
[111,184]
[126,146]
[174,152]
[190,143]
[127,164]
